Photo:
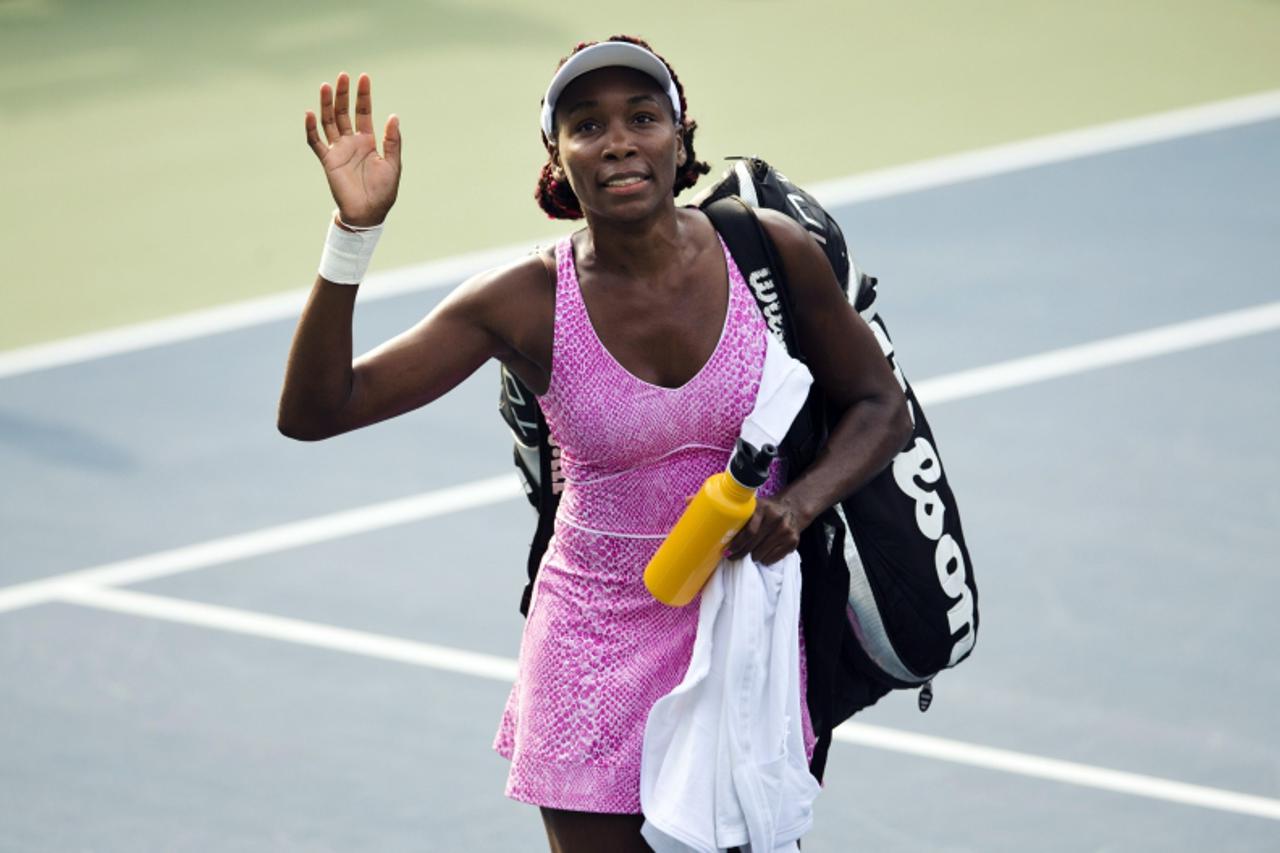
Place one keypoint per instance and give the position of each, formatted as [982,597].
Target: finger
[364,105]
[745,540]
[391,141]
[341,103]
[326,114]
[766,541]
[780,541]
[770,551]
[313,135]
[772,536]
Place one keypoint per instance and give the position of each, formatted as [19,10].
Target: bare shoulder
[525,280]
[840,349]
[809,274]
[515,305]
[782,228]
[497,295]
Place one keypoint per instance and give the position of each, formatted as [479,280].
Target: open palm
[363,182]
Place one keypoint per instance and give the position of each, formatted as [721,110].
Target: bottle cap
[750,466]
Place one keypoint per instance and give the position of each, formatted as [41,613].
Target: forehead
[608,83]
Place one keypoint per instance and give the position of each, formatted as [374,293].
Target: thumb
[391,141]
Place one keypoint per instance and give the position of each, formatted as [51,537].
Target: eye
[645,118]
[587,125]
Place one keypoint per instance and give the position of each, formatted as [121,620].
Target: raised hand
[363,182]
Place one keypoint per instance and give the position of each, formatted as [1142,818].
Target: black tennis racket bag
[911,601]
[537,460]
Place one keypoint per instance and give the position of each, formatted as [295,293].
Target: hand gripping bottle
[695,546]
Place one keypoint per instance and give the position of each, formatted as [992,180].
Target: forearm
[318,375]
[864,439]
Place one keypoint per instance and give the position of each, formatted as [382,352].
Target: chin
[632,209]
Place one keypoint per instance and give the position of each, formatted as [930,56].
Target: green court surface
[154,159]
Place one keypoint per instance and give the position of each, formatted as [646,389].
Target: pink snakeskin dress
[598,650]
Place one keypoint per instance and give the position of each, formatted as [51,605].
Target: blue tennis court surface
[1122,523]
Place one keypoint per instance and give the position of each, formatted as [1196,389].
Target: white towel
[724,762]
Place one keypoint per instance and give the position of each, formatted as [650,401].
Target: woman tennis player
[645,348]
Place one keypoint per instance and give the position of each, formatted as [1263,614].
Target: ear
[681,155]
[557,170]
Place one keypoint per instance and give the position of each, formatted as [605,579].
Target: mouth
[625,183]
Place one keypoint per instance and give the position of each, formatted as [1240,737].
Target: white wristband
[347,253]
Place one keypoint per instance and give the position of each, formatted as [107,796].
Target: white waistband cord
[560,519]
[347,254]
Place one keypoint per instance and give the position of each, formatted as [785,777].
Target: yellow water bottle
[695,546]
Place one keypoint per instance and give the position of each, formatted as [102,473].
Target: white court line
[244,314]
[1068,772]
[940,171]
[1044,150]
[1105,353]
[955,386]
[504,670]
[290,630]
[282,537]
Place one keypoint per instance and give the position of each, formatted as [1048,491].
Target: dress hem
[578,788]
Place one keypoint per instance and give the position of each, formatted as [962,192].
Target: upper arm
[488,316]
[841,351]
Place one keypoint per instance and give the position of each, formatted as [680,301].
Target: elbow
[301,428]
[296,430]
[306,416]
[291,430]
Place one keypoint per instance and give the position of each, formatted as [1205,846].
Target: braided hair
[557,198]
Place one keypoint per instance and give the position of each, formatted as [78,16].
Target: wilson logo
[761,284]
[915,470]
[557,472]
[528,428]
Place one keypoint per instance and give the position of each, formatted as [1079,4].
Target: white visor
[607,54]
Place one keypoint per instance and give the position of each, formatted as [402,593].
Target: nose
[619,142]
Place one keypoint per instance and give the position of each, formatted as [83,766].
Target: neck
[637,248]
